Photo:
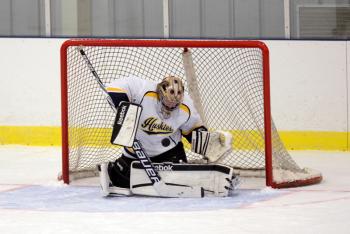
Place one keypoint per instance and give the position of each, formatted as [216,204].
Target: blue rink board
[88,199]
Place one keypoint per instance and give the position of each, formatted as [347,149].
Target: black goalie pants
[119,171]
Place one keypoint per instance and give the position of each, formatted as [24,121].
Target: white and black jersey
[156,133]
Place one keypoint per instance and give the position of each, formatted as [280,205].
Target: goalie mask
[171,93]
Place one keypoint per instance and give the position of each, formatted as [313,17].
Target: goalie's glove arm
[118,98]
[189,135]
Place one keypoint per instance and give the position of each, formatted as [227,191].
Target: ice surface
[33,201]
[88,199]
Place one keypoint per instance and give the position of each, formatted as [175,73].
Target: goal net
[233,89]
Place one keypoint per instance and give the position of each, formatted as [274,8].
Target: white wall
[30,82]
[309,83]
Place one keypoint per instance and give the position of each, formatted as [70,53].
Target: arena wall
[309,92]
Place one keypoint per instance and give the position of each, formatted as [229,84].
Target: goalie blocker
[214,180]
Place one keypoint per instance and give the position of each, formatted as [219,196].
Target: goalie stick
[158,184]
[97,78]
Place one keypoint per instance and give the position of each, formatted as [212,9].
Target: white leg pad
[104,179]
[183,180]
[107,189]
[163,189]
[119,191]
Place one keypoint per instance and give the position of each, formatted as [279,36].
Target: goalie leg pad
[107,188]
[104,179]
[215,180]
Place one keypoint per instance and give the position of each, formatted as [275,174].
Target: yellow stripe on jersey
[151,94]
[185,108]
[116,90]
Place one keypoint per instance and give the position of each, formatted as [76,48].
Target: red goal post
[241,66]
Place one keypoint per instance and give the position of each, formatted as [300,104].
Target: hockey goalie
[150,122]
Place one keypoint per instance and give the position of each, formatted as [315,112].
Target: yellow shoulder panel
[151,94]
[185,108]
[116,90]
